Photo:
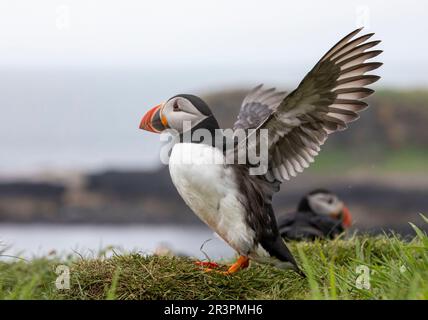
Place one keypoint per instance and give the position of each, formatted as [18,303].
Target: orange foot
[241,263]
[208,264]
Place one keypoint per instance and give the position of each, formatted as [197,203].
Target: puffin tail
[297,269]
[286,258]
[300,272]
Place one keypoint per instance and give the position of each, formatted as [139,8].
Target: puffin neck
[304,205]
[210,123]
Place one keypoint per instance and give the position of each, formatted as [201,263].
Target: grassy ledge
[336,270]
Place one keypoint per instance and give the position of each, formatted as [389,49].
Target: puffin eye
[175,106]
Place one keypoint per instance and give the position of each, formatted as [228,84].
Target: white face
[179,110]
[323,203]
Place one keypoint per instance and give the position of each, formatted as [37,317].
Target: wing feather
[257,105]
[326,100]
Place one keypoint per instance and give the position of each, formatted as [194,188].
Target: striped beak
[343,215]
[346,217]
[153,120]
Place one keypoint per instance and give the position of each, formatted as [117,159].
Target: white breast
[208,187]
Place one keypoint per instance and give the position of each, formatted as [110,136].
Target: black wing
[325,101]
[257,106]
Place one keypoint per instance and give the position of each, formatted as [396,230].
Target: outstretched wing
[257,105]
[324,102]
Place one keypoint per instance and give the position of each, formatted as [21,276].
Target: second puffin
[230,200]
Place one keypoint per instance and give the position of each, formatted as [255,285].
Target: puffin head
[175,112]
[324,202]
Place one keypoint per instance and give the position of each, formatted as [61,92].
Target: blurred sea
[36,240]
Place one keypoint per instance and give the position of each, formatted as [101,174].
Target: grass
[398,269]
[407,160]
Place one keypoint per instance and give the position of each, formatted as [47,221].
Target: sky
[76,76]
[194,33]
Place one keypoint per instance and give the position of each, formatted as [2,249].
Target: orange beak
[346,217]
[153,120]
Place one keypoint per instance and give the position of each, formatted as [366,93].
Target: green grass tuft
[398,270]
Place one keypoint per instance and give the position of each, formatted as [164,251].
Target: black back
[305,224]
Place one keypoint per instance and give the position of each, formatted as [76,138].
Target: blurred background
[77,76]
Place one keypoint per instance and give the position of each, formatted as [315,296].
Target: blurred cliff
[379,167]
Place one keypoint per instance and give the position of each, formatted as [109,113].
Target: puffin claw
[225,273]
[241,263]
[210,265]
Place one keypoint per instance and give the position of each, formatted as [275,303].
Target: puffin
[234,198]
[320,214]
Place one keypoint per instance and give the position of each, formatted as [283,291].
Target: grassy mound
[336,269]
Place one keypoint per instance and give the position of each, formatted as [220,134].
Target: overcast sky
[194,32]
[200,45]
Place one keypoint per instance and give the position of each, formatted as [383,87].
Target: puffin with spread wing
[235,203]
